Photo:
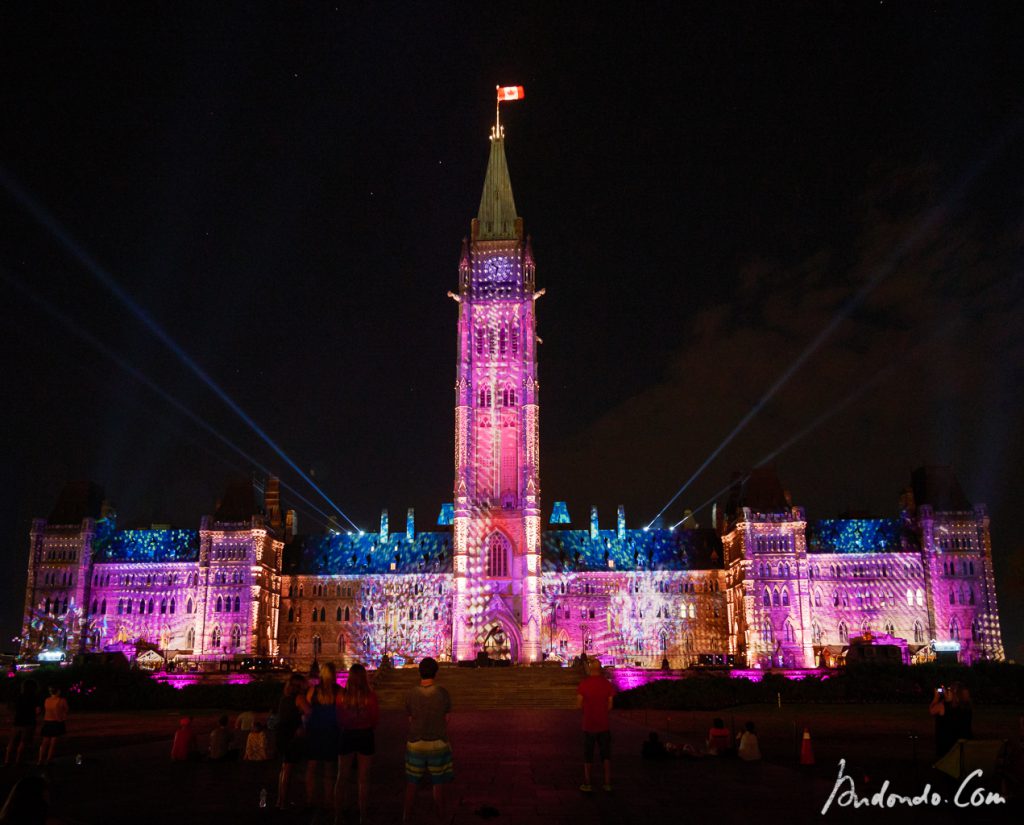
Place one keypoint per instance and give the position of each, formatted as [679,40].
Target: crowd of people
[331,729]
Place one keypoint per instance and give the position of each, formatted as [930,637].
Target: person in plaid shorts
[427,750]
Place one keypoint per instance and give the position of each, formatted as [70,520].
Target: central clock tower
[497,447]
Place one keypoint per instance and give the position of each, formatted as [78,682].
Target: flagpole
[497,112]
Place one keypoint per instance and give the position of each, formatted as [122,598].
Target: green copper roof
[497,215]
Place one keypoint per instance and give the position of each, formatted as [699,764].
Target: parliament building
[763,587]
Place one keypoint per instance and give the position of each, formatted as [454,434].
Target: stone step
[488,688]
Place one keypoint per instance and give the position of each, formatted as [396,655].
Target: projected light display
[761,588]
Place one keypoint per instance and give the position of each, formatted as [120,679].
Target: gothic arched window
[215,637]
[498,551]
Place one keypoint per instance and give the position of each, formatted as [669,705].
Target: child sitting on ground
[654,748]
[718,739]
[748,749]
[183,748]
[256,744]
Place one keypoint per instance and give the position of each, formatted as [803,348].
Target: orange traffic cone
[806,752]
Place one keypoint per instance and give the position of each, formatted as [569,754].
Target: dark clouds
[928,368]
[285,192]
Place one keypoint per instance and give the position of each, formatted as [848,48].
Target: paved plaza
[514,766]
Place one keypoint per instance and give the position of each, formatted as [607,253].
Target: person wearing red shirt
[594,696]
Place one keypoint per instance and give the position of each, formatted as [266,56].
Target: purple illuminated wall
[765,589]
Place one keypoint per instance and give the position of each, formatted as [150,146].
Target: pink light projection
[764,588]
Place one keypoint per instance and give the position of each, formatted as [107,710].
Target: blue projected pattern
[447,515]
[344,554]
[560,513]
[860,536]
[639,550]
[147,546]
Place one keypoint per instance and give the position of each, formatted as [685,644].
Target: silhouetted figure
[594,695]
[55,715]
[220,740]
[358,713]
[749,750]
[183,747]
[291,739]
[719,740]
[28,802]
[654,749]
[426,749]
[23,726]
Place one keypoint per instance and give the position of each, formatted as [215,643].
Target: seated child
[256,744]
[748,750]
[719,740]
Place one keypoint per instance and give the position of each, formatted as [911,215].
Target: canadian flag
[511,93]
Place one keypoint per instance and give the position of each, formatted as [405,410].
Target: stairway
[494,688]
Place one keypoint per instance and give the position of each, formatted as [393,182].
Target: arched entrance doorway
[496,644]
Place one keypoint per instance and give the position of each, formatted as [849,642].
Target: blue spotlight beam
[928,221]
[834,410]
[86,336]
[50,223]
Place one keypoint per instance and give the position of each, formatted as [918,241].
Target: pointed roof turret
[497,219]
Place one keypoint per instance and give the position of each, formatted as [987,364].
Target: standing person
[358,713]
[290,734]
[427,749]
[951,707]
[594,696]
[55,717]
[322,735]
[23,728]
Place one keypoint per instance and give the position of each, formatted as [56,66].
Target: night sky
[284,189]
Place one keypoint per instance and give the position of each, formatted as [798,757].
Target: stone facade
[762,587]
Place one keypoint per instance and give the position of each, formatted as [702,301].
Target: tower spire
[497,218]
